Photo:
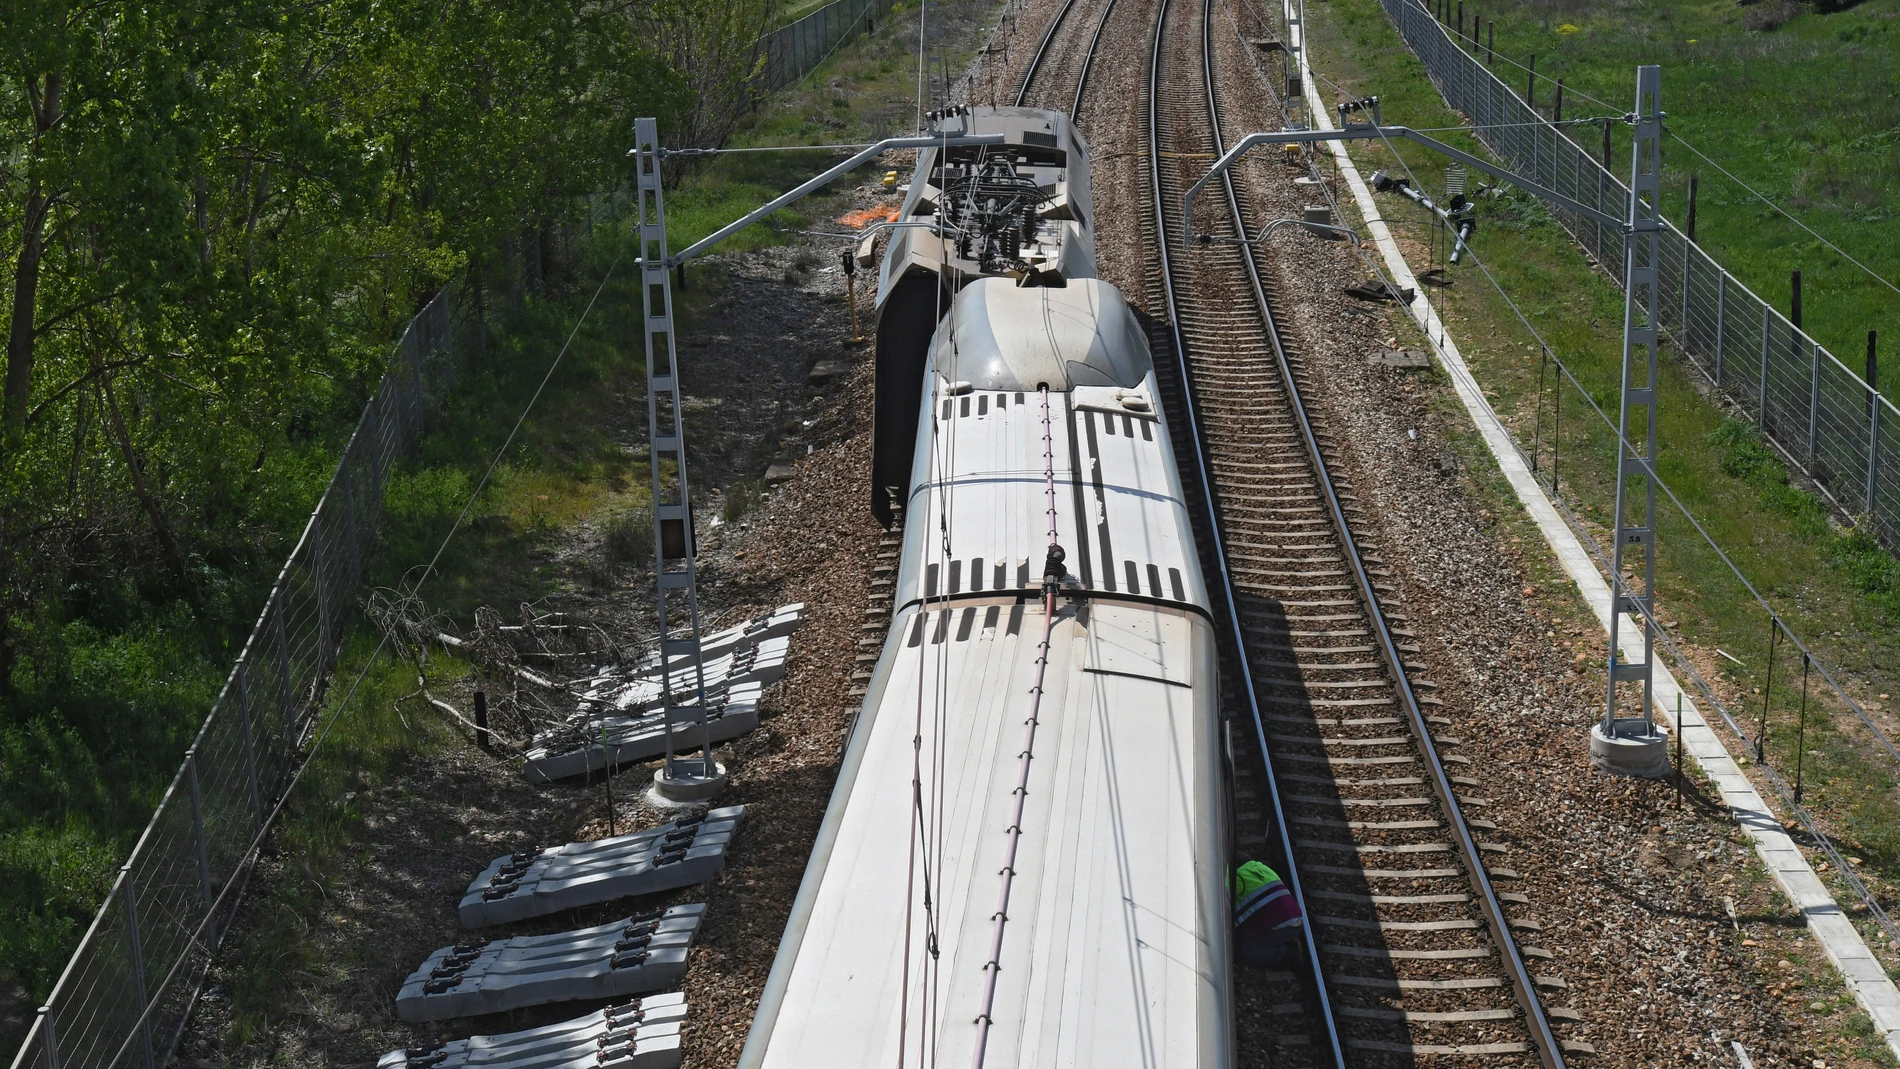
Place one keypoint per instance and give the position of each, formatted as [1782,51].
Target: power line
[429,569]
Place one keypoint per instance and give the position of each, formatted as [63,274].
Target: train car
[1020,210]
[1115,944]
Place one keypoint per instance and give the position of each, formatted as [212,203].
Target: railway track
[1062,60]
[1413,953]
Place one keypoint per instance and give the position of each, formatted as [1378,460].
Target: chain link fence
[1820,415]
[792,50]
[125,994]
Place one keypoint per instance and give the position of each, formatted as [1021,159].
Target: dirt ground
[432,827]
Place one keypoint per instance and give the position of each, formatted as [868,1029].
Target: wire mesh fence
[125,994]
[1823,418]
[792,50]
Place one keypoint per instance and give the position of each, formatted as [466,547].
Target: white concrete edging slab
[1863,973]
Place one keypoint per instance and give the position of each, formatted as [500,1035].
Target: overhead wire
[1783,212]
[926,823]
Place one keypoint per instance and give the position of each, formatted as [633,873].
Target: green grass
[1838,591]
[1805,112]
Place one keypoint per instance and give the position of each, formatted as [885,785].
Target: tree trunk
[166,543]
[23,335]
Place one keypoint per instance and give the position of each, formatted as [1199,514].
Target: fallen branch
[525,674]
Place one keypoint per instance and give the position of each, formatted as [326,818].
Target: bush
[740,496]
[1764,17]
[628,538]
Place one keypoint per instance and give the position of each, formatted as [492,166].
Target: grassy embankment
[1799,104]
[1838,591]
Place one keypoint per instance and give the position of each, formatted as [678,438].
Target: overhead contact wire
[1050,577]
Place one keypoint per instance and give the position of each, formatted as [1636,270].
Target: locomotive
[1023,860]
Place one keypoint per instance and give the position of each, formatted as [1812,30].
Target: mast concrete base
[688,781]
[1631,748]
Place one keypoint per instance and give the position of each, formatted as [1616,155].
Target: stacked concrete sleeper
[641,1034]
[641,953]
[679,853]
[621,716]
[645,952]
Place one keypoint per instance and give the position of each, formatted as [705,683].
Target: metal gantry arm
[675,576]
[824,178]
[1368,132]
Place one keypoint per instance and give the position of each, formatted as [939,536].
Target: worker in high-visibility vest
[1267,921]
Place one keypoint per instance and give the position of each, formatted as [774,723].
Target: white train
[1114,949]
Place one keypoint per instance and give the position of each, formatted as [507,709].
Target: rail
[1522,985]
[1203,472]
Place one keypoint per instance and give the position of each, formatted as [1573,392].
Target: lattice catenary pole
[1636,451]
[675,580]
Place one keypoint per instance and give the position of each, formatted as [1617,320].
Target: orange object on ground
[863,217]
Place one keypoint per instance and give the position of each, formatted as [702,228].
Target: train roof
[1002,336]
[1115,950]
[1121,515]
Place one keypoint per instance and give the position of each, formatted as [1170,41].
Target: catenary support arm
[1367,131]
[889,144]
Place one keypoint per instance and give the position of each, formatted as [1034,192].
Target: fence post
[288,707]
[1599,203]
[1814,396]
[348,476]
[49,1044]
[1721,314]
[250,755]
[316,580]
[137,962]
[1873,426]
[1687,249]
[1537,171]
[198,827]
[1767,318]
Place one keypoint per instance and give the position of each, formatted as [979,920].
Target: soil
[437,822]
